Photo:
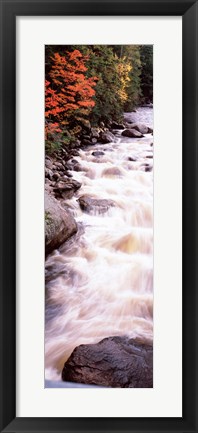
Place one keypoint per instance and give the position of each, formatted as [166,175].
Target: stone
[106,137]
[95,132]
[67,188]
[149,168]
[59,224]
[117,362]
[48,163]
[132,133]
[116,125]
[132,158]
[59,166]
[98,153]
[86,142]
[56,176]
[48,173]
[140,127]
[94,205]
[112,171]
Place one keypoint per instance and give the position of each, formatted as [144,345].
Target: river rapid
[100,282]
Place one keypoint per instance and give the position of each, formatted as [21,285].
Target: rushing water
[100,282]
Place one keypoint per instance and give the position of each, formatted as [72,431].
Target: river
[100,282]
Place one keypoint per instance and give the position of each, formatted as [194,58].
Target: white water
[100,282]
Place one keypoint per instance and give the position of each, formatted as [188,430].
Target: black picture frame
[188,9]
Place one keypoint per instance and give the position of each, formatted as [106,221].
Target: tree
[68,92]
[146,54]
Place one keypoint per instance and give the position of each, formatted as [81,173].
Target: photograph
[99,216]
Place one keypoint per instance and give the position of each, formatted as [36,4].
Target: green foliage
[146,55]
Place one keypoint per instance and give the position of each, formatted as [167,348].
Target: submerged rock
[111,172]
[92,205]
[59,224]
[98,153]
[132,133]
[117,362]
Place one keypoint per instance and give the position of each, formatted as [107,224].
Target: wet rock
[59,166]
[151,144]
[95,132]
[117,362]
[56,176]
[59,224]
[132,158]
[77,167]
[132,133]
[48,163]
[67,188]
[75,153]
[149,156]
[48,173]
[149,168]
[86,142]
[112,171]
[140,127]
[98,153]
[106,137]
[93,205]
[94,140]
[116,125]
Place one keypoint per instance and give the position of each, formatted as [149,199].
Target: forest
[91,85]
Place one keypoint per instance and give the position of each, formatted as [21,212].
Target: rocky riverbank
[60,184]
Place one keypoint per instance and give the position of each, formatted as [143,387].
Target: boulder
[140,127]
[67,188]
[94,205]
[106,137]
[112,171]
[132,133]
[95,132]
[98,153]
[59,224]
[117,362]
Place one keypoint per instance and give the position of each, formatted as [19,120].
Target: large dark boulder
[93,205]
[117,362]
[59,224]
[132,133]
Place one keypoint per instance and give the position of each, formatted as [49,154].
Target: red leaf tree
[68,92]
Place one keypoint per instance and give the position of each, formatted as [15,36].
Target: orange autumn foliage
[69,91]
